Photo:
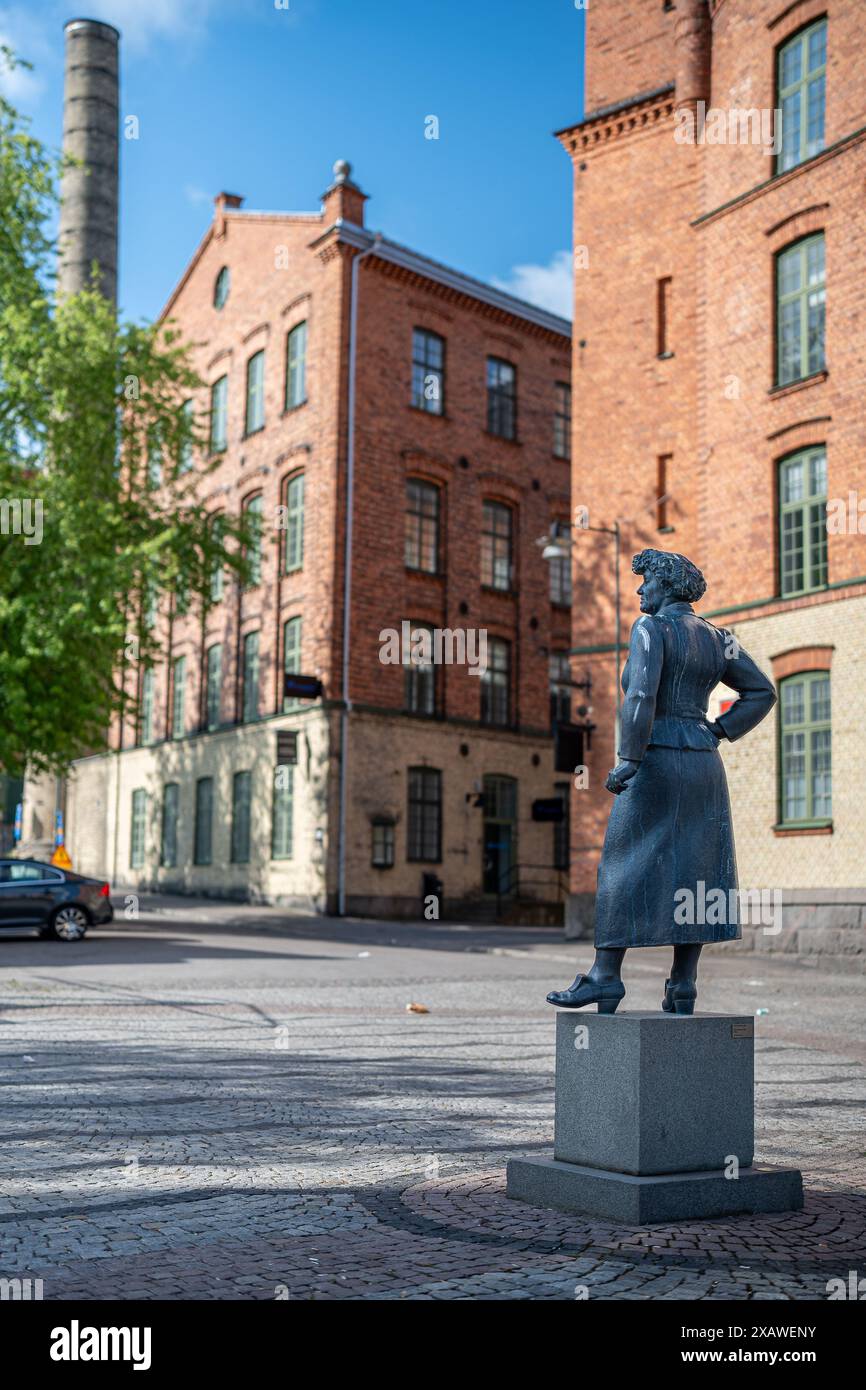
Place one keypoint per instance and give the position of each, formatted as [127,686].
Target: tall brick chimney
[89,192]
[344,201]
[87,233]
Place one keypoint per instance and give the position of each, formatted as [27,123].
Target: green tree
[100,512]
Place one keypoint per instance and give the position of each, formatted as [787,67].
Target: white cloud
[18,85]
[37,34]
[196,195]
[549,286]
[139,21]
[24,34]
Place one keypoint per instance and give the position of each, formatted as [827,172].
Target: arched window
[800,95]
[219,399]
[253,512]
[496,683]
[800,310]
[296,366]
[293,557]
[421,671]
[422,526]
[501,398]
[255,409]
[428,371]
[803,521]
[805,762]
[217,575]
[221,287]
[496,546]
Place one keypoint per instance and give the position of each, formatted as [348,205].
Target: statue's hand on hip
[620,776]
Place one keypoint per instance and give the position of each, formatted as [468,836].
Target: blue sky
[245,96]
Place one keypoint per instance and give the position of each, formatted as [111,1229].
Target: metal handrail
[512,880]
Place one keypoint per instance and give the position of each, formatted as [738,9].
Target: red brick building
[350,377]
[719,376]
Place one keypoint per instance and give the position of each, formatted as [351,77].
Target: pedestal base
[663,1197]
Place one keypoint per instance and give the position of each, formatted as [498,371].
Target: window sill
[561,458]
[807,828]
[802,593]
[248,434]
[290,409]
[779,173]
[504,438]
[788,387]
[381,866]
[431,414]
[495,589]
[426,574]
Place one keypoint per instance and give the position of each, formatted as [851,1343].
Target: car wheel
[69,923]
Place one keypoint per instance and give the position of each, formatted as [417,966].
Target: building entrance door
[499,847]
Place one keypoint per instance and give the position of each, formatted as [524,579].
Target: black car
[56,902]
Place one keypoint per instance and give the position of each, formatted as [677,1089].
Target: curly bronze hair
[679,575]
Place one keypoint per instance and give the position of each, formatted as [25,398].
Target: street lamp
[557,545]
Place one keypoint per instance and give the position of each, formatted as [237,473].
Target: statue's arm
[645,657]
[756,691]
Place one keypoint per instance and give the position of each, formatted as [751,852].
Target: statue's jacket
[669,837]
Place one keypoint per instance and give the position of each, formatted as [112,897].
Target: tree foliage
[90,531]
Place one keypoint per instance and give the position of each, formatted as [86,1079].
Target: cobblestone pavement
[222,1103]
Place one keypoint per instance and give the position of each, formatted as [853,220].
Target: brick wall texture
[711,218]
[286,269]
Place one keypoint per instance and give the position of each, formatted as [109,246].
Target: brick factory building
[719,376]
[435,410]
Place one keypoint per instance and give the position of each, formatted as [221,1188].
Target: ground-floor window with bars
[806,791]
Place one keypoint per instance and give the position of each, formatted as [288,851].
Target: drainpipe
[347,576]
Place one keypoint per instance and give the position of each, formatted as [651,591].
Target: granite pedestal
[654,1122]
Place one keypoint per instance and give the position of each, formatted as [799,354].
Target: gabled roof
[391,251]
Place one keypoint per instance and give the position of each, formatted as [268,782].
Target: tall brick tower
[89,195]
[87,235]
[716,384]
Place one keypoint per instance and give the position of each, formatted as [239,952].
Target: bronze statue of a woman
[669,833]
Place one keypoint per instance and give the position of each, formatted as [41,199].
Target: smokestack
[88,213]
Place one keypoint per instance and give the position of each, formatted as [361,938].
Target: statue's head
[667,577]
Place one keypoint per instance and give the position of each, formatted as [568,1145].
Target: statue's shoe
[679,999]
[605,994]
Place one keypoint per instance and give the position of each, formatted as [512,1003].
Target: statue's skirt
[668,850]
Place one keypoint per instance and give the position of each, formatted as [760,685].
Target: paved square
[219,1102]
